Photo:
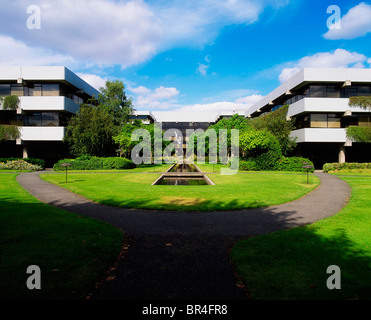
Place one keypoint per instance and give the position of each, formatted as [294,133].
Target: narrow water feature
[183,174]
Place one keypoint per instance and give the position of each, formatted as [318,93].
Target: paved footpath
[184,255]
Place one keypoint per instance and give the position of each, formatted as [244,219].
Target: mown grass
[229,192]
[72,251]
[292,264]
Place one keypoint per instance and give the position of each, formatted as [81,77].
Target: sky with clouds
[189,56]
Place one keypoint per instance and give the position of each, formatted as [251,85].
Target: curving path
[177,255]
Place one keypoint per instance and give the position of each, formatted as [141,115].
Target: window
[318,91]
[364,91]
[325,120]
[16,90]
[318,120]
[332,92]
[4,90]
[34,119]
[35,90]
[50,119]
[333,121]
[364,121]
[50,89]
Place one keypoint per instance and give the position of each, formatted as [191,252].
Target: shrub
[248,165]
[327,167]
[95,163]
[260,146]
[19,165]
[38,162]
[293,164]
[117,163]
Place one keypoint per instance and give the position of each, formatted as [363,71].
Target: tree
[9,132]
[123,139]
[260,146]
[363,102]
[235,122]
[10,102]
[90,132]
[277,123]
[359,134]
[113,99]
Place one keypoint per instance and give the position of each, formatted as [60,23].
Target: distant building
[48,96]
[145,117]
[318,100]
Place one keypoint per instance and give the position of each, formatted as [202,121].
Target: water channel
[183,174]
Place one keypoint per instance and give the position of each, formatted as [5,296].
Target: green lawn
[72,251]
[230,192]
[292,264]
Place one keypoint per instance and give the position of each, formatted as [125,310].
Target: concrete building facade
[318,100]
[48,97]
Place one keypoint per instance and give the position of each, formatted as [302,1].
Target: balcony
[42,133]
[46,103]
[329,105]
[319,135]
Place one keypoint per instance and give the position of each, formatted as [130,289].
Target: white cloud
[125,32]
[340,58]
[355,23]
[14,52]
[95,81]
[159,98]
[202,68]
[102,31]
[241,104]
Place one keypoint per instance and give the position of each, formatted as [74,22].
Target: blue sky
[187,55]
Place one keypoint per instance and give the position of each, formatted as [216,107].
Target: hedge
[37,162]
[293,164]
[283,164]
[95,163]
[346,165]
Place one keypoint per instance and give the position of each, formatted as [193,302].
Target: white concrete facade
[318,100]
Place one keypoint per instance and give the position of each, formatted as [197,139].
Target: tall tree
[90,131]
[113,99]
[277,123]
[360,134]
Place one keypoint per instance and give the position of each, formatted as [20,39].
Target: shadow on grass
[293,265]
[72,251]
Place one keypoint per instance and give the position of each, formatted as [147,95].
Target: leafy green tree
[123,139]
[9,132]
[277,123]
[260,146]
[113,99]
[10,102]
[359,134]
[90,132]
[363,102]
[235,122]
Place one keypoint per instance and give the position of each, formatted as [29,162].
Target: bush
[117,163]
[293,164]
[327,167]
[262,147]
[38,162]
[248,165]
[19,165]
[95,163]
